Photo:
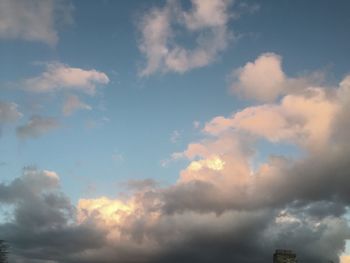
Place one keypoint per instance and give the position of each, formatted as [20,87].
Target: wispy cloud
[72,104]
[206,20]
[9,112]
[37,126]
[175,136]
[33,20]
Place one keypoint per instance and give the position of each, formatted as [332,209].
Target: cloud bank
[221,209]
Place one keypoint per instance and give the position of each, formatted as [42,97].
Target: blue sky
[97,100]
[143,112]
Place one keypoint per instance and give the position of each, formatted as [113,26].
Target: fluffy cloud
[304,118]
[37,126]
[9,112]
[72,104]
[33,20]
[206,19]
[262,79]
[62,77]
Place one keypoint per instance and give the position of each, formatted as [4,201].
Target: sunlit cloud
[207,19]
[60,77]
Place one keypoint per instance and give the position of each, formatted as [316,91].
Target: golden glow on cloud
[213,163]
[51,174]
[109,211]
[345,258]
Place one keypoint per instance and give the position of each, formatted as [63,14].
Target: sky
[174,131]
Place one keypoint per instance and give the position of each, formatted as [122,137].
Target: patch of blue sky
[266,149]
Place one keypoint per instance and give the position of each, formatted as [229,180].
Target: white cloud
[37,126]
[261,80]
[62,77]
[72,103]
[207,20]
[9,112]
[33,20]
[305,119]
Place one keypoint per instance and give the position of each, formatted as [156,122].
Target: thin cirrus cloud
[72,104]
[220,207]
[206,19]
[37,126]
[37,21]
[59,77]
[9,112]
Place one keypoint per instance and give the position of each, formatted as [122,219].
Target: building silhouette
[284,256]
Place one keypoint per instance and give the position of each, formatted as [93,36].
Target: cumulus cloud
[262,79]
[72,104]
[33,20]
[206,20]
[305,119]
[62,77]
[37,126]
[9,112]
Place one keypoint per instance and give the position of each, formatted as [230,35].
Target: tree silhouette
[3,251]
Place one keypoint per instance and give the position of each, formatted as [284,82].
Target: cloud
[62,77]
[262,80]
[303,119]
[206,20]
[345,259]
[33,20]
[175,136]
[37,126]
[9,112]
[72,104]
[42,226]
[221,208]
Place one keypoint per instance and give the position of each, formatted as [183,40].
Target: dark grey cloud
[43,228]
[42,225]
